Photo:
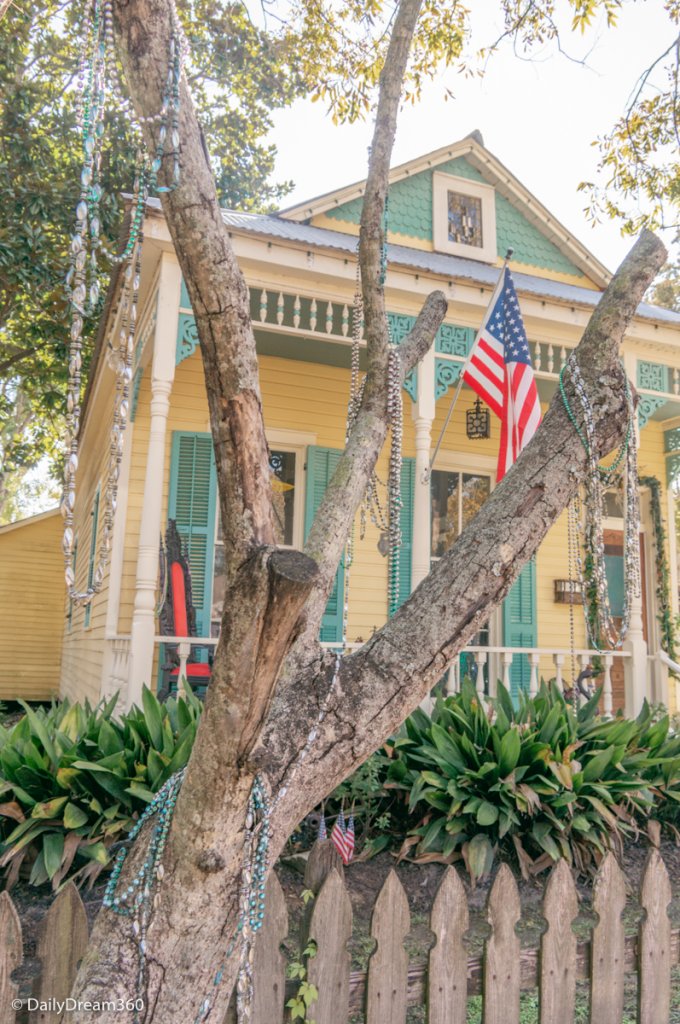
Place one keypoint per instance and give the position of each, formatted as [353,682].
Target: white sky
[539,118]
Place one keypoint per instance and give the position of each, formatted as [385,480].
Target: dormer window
[464,217]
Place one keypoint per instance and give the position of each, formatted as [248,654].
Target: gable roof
[472,148]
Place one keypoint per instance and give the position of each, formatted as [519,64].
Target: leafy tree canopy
[238,73]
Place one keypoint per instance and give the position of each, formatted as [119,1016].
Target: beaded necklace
[586,531]
[97,81]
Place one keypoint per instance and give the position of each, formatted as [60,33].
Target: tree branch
[217,290]
[387,678]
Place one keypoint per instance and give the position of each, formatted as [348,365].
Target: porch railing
[490,665]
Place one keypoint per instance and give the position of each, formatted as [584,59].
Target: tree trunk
[306,727]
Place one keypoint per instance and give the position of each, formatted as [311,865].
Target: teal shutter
[520,624]
[93,553]
[192,504]
[321,463]
[408,480]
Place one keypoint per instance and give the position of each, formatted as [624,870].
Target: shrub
[540,779]
[74,780]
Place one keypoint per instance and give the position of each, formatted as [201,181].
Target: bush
[75,779]
[539,779]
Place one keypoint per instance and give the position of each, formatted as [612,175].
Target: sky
[538,117]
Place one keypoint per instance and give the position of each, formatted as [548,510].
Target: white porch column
[423,415]
[422,411]
[109,682]
[635,667]
[162,376]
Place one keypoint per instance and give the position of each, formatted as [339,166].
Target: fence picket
[388,967]
[331,929]
[654,991]
[61,947]
[11,955]
[269,963]
[608,949]
[557,980]
[447,980]
[502,951]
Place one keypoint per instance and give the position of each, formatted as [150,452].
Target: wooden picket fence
[450,976]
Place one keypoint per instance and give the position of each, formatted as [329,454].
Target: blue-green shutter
[93,553]
[408,480]
[321,463]
[520,624]
[192,504]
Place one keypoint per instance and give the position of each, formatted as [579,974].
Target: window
[464,217]
[455,500]
[74,558]
[286,467]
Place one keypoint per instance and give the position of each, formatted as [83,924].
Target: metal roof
[442,264]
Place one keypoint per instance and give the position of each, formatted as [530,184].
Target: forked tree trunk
[260,717]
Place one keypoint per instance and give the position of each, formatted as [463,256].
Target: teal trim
[192,503]
[187,337]
[407,490]
[652,376]
[184,302]
[647,406]
[136,384]
[520,624]
[411,215]
[446,374]
[450,339]
[93,553]
[321,464]
[671,440]
[410,384]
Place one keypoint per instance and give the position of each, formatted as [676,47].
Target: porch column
[422,411]
[162,376]
[423,415]
[635,667]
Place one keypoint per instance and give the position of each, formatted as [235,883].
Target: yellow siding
[32,608]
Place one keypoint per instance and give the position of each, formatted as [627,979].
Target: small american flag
[342,838]
[499,370]
[323,833]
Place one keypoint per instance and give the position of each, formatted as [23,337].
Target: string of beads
[98,83]
[588,530]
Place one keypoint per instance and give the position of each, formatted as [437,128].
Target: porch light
[478,422]
[568,592]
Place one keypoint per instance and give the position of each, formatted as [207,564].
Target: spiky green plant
[75,778]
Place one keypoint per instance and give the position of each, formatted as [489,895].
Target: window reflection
[282,468]
[456,498]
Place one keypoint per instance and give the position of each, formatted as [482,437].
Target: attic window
[464,217]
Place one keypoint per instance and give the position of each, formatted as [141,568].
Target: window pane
[476,490]
[282,465]
[465,219]
[613,503]
[444,498]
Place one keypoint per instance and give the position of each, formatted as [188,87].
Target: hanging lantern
[478,422]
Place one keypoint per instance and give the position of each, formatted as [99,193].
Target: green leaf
[487,814]
[50,808]
[479,856]
[53,852]
[510,749]
[153,717]
[74,816]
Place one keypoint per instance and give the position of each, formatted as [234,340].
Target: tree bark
[258,718]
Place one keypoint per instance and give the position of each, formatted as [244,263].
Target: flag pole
[459,386]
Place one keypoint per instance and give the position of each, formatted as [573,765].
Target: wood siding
[32,608]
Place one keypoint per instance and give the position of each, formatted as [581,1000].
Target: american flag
[499,371]
[342,837]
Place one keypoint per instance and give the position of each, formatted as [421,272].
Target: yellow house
[453,214]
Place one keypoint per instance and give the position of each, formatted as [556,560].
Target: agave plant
[539,778]
[75,778]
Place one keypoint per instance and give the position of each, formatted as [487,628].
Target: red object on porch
[179,619]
